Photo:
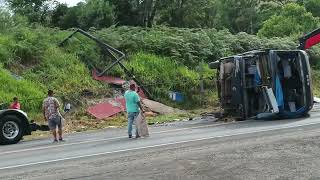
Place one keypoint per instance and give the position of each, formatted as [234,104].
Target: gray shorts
[54,122]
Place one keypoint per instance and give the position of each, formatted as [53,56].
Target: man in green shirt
[132,104]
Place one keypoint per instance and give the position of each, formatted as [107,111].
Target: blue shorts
[53,123]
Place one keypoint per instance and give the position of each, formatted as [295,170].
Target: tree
[71,18]
[266,9]
[239,15]
[177,13]
[125,14]
[96,13]
[64,17]
[147,9]
[187,13]
[136,12]
[281,2]
[34,10]
[293,20]
[92,13]
[313,6]
[58,13]
[6,20]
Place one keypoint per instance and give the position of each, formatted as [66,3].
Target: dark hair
[132,86]
[50,92]
[15,98]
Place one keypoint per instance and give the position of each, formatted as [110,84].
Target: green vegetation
[168,44]
[236,15]
[182,57]
[162,75]
[316,83]
[188,46]
[32,54]
[313,6]
[26,90]
[291,21]
[64,72]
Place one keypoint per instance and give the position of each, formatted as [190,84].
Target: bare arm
[138,100]
[140,106]
[44,112]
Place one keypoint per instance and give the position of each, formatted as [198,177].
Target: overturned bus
[266,84]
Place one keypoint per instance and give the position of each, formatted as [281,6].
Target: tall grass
[32,53]
[62,72]
[161,75]
[30,93]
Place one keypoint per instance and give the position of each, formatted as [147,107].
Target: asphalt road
[203,149]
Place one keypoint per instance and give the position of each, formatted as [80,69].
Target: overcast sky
[70,2]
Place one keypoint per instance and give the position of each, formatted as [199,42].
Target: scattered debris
[107,109]
[15,76]
[150,114]
[176,96]
[108,79]
[316,100]
[158,107]
[87,93]
[117,104]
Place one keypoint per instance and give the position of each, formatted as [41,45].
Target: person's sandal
[62,140]
[55,141]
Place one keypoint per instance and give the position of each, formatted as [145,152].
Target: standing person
[50,108]
[132,104]
[15,104]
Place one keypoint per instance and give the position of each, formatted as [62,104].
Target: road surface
[203,149]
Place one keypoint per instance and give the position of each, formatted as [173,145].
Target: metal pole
[109,50]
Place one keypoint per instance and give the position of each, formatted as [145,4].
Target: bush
[294,20]
[314,53]
[32,54]
[161,75]
[63,73]
[30,93]
[189,46]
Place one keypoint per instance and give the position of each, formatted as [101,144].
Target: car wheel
[10,130]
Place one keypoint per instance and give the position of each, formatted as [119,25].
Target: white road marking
[153,146]
[109,139]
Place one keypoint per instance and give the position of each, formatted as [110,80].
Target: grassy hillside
[32,54]
[164,59]
[30,92]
